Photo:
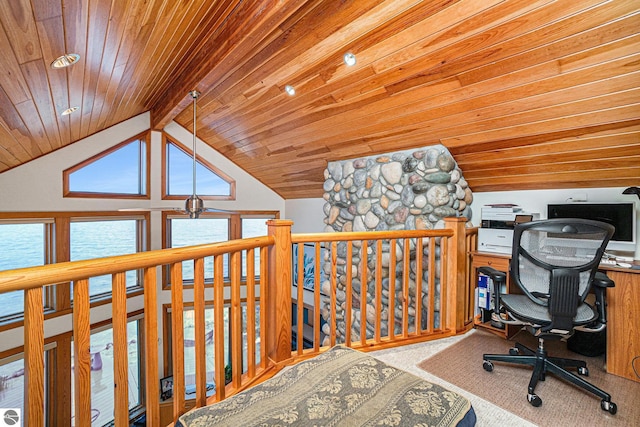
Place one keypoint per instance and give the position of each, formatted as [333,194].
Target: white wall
[307,215]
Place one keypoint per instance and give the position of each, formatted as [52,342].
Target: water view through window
[96,239]
[190,232]
[27,249]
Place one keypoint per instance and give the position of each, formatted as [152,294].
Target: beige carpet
[563,403]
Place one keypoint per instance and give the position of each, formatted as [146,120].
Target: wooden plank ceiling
[525,94]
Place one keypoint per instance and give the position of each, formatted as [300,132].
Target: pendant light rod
[194,94]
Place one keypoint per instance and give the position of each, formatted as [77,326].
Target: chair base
[543,364]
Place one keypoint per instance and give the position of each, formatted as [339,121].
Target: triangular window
[211,183]
[122,171]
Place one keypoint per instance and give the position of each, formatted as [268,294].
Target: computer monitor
[622,215]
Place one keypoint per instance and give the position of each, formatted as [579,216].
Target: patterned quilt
[341,387]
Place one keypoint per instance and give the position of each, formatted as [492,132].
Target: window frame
[166,141]
[145,138]
[235,232]
[57,249]
[52,346]
[142,245]
[49,258]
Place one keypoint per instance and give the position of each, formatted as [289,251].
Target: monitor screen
[621,215]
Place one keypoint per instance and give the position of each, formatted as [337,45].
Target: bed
[341,387]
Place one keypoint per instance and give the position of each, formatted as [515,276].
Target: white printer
[496,231]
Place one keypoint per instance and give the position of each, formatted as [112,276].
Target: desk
[623,322]
[623,313]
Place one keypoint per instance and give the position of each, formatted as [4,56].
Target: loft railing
[264,346]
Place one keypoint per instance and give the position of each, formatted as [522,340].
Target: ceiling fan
[193,206]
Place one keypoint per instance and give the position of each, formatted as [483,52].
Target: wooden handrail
[50,274]
[367,235]
[272,290]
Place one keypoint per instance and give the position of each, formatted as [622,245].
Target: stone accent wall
[398,191]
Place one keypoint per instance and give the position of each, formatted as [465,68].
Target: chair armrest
[496,275]
[600,284]
[602,281]
[499,278]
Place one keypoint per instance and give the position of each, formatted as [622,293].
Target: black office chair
[555,263]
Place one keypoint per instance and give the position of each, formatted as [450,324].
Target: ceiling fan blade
[220,210]
[150,209]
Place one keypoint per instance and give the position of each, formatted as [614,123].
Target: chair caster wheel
[513,351]
[534,399]
[487,365]
[611,407]
[583,371]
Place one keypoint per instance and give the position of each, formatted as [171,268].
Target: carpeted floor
[563,404]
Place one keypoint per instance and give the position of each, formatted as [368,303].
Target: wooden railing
[266,345]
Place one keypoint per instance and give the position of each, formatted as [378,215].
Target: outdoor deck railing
[262,347]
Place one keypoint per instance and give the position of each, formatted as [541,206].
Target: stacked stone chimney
[399,191]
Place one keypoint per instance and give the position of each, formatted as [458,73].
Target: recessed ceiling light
[65,60]
[349,59]
[290,90]
[70,110]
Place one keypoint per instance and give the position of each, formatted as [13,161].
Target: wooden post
[120,350]
[279,291]
[82,352]
[177,338]
[456,265]
[151,346]
[33,358]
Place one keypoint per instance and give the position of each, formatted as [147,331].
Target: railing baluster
[150,347]
[82,353]
[406,272]
[432,285]
[218,325]
[419,275]
[33,357]
[444,285]
[177,341]
[334,260]
[363,292]
[300,299]
[316,298]
[392,289]
[348,305]
[120,349]
[236,319]
[199,332]
[264,281]
[251,314]
[378,291]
